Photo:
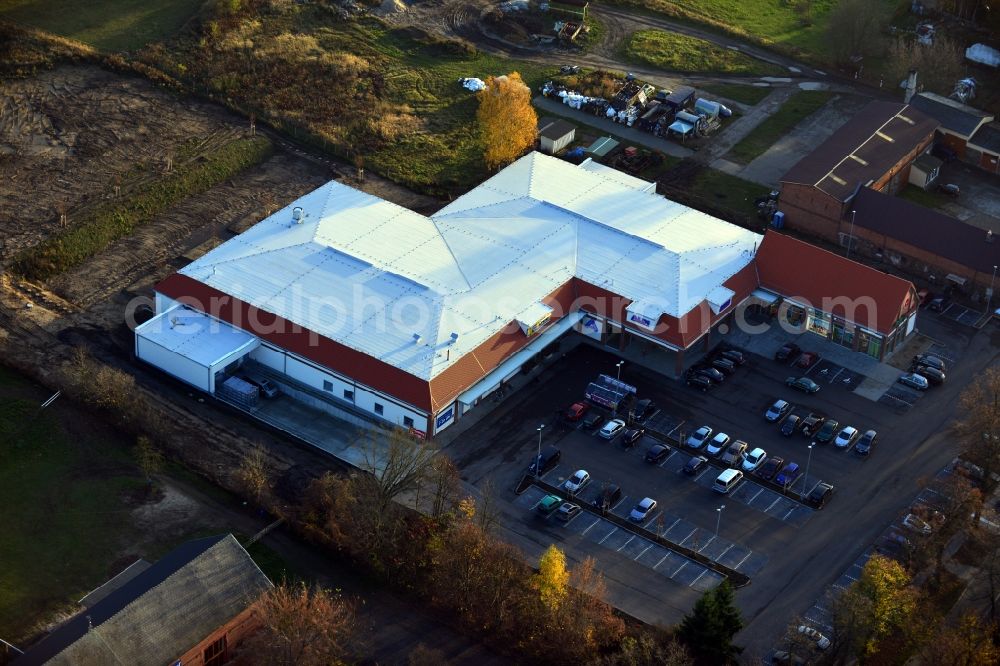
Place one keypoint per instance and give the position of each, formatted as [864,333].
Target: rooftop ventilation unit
[297,215]
[454,338]
[416,338]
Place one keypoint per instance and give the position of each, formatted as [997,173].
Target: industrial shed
[556,135]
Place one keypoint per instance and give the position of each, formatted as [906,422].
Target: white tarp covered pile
[472,84]
[983,54]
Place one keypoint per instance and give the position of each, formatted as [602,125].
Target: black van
[608,497]
[548,459]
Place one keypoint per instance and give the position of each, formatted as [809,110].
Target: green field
[680,53]
[750,95]
[729,192]
[109,25]
[801,104]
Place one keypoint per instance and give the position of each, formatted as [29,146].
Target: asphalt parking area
[961,314]
[900,397]
[827,373]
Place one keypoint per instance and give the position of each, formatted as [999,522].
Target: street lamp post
[619,364]
[538,459]
[850,240]
[718,518]
[808,462]
[989,297]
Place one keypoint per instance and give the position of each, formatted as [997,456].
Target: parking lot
[764,533]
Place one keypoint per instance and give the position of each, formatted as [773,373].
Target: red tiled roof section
[803,272]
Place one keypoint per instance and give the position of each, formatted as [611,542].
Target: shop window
[379,409]
[349,395]
[328,386]
[215,654]
[407,422]
[819,323]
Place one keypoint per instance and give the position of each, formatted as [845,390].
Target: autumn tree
[300,626]
[552,579]
[508,124]
[953,513]
[880,603]
[979,430]
[854,28]
[967,642]
[148,457]
[710,627]
[254,476]
[647,648]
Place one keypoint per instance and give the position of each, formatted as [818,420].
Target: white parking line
[661,560]
[776,500]
[705,545]
[723,553]
[837,374]
[683,564]
[676,428]
[672,454]
[756,495]
[703,572]
[740,563]
[788,513]
[607,535]
[626,543]
[703,473]
[644,551]
[671,525]
[689,536]
[596,520]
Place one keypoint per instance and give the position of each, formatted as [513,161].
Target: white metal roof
[204,340]
[373,275]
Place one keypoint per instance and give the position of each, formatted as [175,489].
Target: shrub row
[117,219]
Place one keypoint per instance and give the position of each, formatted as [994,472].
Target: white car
[777,410]
[575,483]
[822,642]
[846,437]
[754,459]
[913,380]
[698,437]
[642,510]
[612,428]
[917,524]
[718,444]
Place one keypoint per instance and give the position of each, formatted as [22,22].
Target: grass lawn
[800,105]
[929,198]
[750,95]
[729,192]
[109,25]
[680,53]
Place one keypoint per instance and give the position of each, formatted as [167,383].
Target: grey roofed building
[159,614]
[955,117]
[557,129]
[863,149]
[987,139]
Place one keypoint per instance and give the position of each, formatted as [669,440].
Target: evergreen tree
[708,631]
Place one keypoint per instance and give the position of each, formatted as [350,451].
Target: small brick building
[958,124]
[873,149]
[190,608]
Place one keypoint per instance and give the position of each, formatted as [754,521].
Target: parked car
[788,474]
[697,439]
[930,360]
[577,411]
[866,443]
[632,437]
[827,432]
[710,372]
[820,495]
[822,642]
[776,411]
[933,376]
[753,460]
[912,380]
[612,429]
[569,69]
[592,421]
[785,658]
[917,524]
[790,425]
[724,365]
[576,483]
[787,351]
[938,303]
[609,496]
[545,461]
[549,505]
[734,454]
[734,355]
[641,511]
[267,388]
[567,511]
[806,360]
[695,465]
[951,189]
[727,480]
[657,453]
[812,423]
[770,467]
[717,444]
[644,409]
[846,437]
[803,384]
[699,382]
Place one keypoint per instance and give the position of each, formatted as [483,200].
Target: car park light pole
[619,364]
[805,483]
[718,518]
[538,459]
[850,241]
[989,297]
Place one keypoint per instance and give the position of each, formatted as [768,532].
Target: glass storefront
[869,343]
[819,323]
[843,334]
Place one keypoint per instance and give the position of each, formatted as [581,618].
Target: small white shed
[556,135]
[925,170]
[192,346]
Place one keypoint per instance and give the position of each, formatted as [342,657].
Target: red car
[576,411]
[807,360]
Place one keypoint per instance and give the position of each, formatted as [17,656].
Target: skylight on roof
[859,160]
[906,120]
[838,180]
[883,135]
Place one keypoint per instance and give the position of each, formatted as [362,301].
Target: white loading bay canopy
[191,345]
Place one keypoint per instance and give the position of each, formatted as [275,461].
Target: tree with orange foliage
[508,124]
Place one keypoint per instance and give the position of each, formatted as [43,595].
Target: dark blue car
[788,474]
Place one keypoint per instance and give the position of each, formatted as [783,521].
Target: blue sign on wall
[444,417]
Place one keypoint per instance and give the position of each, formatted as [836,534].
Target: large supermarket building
[363,305]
